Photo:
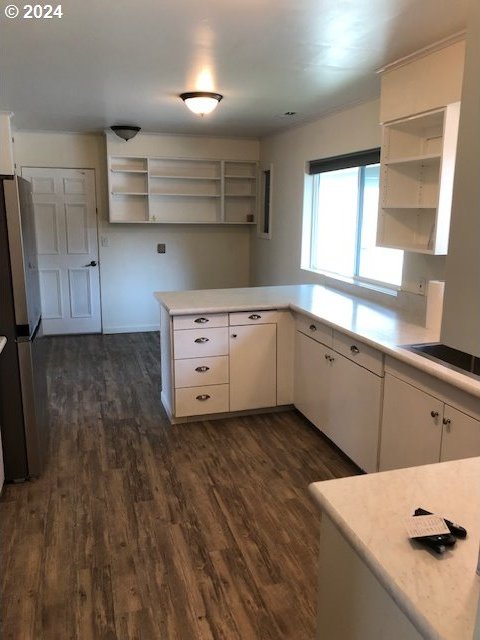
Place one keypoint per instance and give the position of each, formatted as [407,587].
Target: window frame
[314,168]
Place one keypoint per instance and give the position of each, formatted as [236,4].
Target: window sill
[333,279]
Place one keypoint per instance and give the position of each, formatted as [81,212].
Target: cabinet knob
[201,320]
[354,349]
[202,369]
[203,397]
[447,422]
[434,414]
[234,335]
[312,327]
[254,316]
[327,356]
[201,340]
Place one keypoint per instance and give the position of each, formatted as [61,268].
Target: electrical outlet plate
[421,286]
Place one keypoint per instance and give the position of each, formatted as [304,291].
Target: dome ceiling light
[125,131]
[201,102]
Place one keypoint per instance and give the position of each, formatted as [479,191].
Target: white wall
[461,314]
[196,257]
[277,261]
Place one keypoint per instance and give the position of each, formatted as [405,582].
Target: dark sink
[452,358]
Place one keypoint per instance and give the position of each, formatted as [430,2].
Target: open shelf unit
[416,181]
[182,190]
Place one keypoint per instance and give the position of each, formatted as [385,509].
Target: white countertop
[3,342]
[439,594]
[381,327]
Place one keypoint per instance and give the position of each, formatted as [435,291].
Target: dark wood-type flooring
[143,530]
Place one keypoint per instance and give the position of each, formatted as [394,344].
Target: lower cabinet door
[253,366]
[194,401]
[461,435]
[411,426]
[354,411]
[312,376]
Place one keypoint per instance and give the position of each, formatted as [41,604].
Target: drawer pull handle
[312,327]
[201,320]
[202,369]
[203,397]
[354,349]
[201,340]
[254,316]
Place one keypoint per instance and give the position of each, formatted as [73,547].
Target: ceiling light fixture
[201,102]
[125,131]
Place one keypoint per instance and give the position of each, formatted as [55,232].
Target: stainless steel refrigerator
[23,393]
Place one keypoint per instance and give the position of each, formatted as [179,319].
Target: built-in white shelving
[182,190]
[416,181]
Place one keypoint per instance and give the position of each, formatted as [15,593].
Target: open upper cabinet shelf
[182,190]
[416,181]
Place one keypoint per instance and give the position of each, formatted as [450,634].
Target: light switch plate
[161,248]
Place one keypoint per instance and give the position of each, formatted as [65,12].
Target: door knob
[93,263]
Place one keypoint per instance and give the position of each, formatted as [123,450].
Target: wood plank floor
[143,530]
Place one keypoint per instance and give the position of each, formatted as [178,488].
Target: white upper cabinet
[182,190]
[416,181]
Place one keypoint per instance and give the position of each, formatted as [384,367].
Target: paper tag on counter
[420,526]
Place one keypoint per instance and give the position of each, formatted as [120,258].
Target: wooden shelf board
[424,159]
[197,222]
[186,195]
[122,170]
[169,177]
[234,177]
[416,248]
[408,206]
[129,193]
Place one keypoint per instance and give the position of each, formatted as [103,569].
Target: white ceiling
[112,61]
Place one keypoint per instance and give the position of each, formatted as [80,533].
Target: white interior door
[66,230]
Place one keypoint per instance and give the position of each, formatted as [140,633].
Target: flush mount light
[201,102]
[125,131]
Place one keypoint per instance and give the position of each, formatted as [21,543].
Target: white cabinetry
[312,379]
[253,366]
[411,426]
[416,181]
[201,365]
[419,427]
[339,390]
[354,412]
[182,190]
[216,363]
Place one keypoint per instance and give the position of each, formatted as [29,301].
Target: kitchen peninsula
[268,347]
[373,582]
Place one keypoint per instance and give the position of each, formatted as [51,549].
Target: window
[264,229]
[340,230]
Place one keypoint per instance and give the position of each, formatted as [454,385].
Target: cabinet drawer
[252,317]
[201,400]
[197,343]
[358,352]
[200,320]
[316,330]
[194,372]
